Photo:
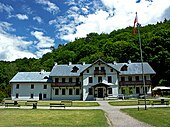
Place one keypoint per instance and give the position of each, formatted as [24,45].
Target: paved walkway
[118,118]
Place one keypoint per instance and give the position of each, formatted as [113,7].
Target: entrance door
[100,92]
[40,96]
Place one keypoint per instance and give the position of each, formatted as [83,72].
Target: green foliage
[120,45]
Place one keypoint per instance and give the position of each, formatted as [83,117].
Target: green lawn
[55,118]
[74,103]
[159,117]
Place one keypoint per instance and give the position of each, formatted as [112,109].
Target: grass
[74,103]
[158,117]
[52,118]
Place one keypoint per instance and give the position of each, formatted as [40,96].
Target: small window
[17,95]
[70,80]
[122,78]
[145,78]
[111,70]
[102,68]
[90,79]
[32,86]
[137,78]
[32,95]
[44,95]
[63,80]
[90,91]
[17,86]
[96,68]
[75,69]
[124,68]
[77,91]
[99,79]
[87,71]
[109,90]
[137,90]
[56,79]
[77,80]
[109,79]
[130,78]
[70,91]
[45,86]
[63,91]
[56,91]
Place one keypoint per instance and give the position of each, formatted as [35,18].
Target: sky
[29,28]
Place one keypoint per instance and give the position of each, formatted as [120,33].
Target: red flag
[135,22]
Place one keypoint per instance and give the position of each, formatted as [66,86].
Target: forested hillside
[120,45]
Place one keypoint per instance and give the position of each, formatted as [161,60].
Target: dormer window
[46,77]
[124,68]
[75,69]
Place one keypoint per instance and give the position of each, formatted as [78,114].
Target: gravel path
[118,118]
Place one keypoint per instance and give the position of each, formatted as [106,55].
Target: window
[70,80]
[111,70]
[99,79]
[96,68]
[63,80]
[122,78]
[145,78]
[63,91]
[124,68]
[90,91]
[56,79]
[45,86]
[56,91]
[130,78]
[90,79]
[17,86]
[70,91]
[77,80]
[137,78]
[87,71]
[109,79]
[32,95]
[17,95]
[77,91]
[109,90]
[102,68]
[44,95]
[137,90]
[32,86]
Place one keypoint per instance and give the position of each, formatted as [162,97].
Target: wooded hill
[120,46]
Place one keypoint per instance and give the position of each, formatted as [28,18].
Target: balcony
[124,83]
[66,84]
[99,72]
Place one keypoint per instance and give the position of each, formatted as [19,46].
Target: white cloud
[12,47]
[113,15]
[22,16]
[43,44]
[50,7]
[6,8]
[38,19]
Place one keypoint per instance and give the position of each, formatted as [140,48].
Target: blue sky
[28,28]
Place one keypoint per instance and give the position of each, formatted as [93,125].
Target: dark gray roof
[134,68]
[31,77]
[66,70]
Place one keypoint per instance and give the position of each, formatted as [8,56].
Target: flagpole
[143,77]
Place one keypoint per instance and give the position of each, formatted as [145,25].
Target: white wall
[25,91]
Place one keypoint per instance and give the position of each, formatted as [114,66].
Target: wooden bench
[143,101]
[31,102]
[162,101]
[10,103]
[57,105]
[67,102]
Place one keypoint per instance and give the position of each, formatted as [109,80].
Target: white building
[82,81]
